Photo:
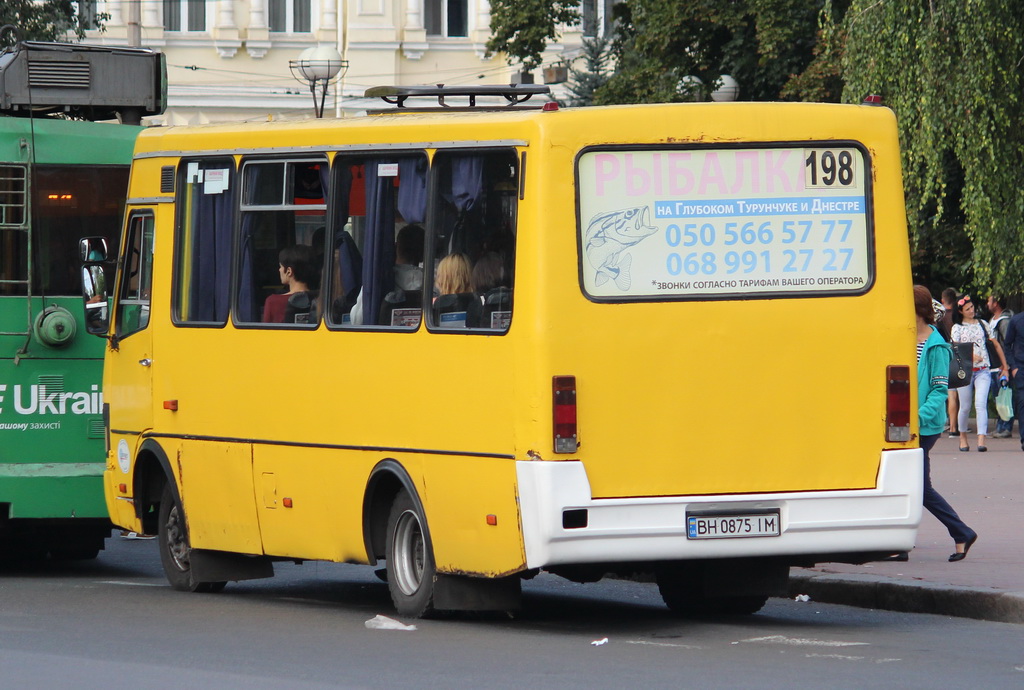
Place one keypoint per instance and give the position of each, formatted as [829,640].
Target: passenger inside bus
[493,304]
[402,306]
[454,282]
[297,269]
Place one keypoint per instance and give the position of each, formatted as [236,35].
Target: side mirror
[93,251]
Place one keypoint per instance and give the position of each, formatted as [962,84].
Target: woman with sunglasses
[967,328]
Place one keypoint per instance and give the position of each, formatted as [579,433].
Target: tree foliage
[951,70]
[595,72]
[763,44]
[522,28]
[42,20]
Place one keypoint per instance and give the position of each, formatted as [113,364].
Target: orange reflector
[171,405]
[286,502]
[492,520]
[123,488]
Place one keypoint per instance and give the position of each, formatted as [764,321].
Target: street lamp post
[319,67]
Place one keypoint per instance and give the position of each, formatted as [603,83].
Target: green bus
[63,176]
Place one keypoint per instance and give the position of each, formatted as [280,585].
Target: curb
[892,594]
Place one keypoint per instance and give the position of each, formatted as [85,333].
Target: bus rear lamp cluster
[897,403]
[563,390]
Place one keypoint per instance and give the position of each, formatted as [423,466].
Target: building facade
[229,59]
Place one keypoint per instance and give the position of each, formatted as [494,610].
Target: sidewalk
[987,490]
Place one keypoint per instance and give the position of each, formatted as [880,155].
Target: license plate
[732,526]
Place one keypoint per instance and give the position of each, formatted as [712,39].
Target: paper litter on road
[598,643]
[802,597]
[380,622]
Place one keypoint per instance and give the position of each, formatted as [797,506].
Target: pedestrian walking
[969,329]
[1000,321]
[933,358]
[1015,358]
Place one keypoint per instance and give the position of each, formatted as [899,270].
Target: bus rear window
[720,223]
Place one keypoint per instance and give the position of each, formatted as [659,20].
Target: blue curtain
[412,189]
[209,297]
[467,188]
[379,243]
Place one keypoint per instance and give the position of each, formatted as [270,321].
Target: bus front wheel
[175,549]
[410,562]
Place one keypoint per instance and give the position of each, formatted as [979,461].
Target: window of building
[376,276]
[447,18]
[291,16]
[184,15]
[137,276]
[283,214]
[87,15]
[596,17]
[472,255]
[203,253]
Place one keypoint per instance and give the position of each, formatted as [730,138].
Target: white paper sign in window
[724,222]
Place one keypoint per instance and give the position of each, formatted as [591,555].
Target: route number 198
[830,168]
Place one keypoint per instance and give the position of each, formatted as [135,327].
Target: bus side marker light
[897,403]
[171,405]
[286,502]
[123,488]
[563,389]
[492,520]
[549,107]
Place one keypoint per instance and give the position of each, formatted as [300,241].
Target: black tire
[175,548]
[683,592]
[410,559]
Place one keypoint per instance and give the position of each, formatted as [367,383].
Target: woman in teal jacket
[933,358]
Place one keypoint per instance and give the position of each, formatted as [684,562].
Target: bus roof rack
[513,94]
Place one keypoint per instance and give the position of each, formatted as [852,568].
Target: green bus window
[68,202]
[376,243]
[283,212]
[136,277]
[474,225]
[203,255]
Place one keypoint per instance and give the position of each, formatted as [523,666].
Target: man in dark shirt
[1014,350]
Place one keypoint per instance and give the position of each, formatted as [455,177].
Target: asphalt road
[114,623]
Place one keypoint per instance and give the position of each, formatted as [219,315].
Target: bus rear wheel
[684,594]
[410,561]
[175,548]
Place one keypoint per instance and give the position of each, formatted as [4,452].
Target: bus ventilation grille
[167,179]
[58,74]
[53,384]
[96,429]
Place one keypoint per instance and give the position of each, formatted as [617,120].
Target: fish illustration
[609,235]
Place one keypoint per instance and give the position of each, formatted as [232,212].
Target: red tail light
[563,390]
[897,403]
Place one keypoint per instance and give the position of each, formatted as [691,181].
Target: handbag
[1004,402]
[961,366]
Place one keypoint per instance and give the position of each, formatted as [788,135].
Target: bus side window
[202,251]
[282,244]
[136,277]
[474,221]
[377,238]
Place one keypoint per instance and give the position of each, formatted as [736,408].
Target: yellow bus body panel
[718,397]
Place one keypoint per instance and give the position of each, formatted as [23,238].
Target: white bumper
[622,530]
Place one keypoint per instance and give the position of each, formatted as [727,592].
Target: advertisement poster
[724,222]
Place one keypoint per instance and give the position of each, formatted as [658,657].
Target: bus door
[131,392]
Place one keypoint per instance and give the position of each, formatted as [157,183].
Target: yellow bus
[477,343]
